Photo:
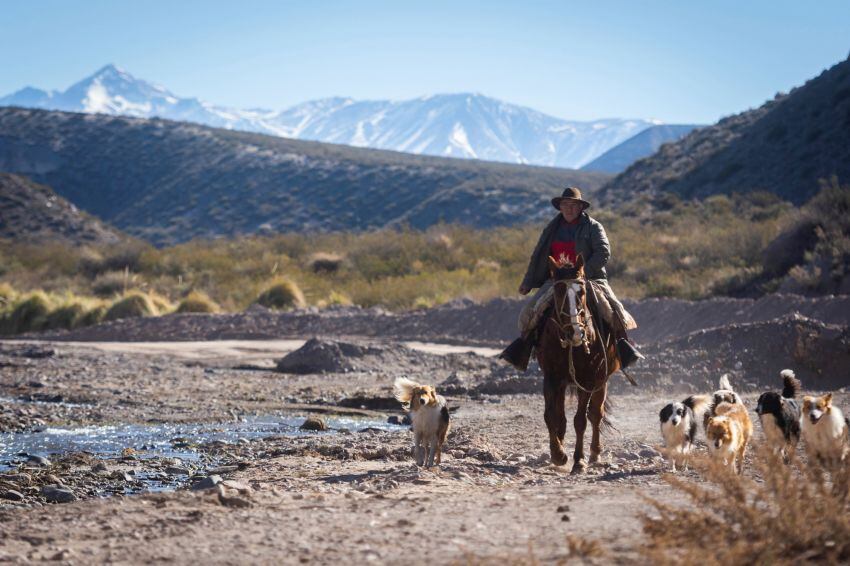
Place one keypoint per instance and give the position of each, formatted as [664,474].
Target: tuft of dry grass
[197,301]
[282,294]
[793,513]
[133,304]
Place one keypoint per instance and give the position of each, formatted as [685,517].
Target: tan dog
[728,433]
[823,429]
[430,417]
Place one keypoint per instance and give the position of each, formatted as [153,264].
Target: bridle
[577,317]
[578,320]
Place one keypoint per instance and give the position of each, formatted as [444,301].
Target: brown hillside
[169,182]
[783,147]
[34,213]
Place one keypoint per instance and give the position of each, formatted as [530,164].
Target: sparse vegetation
[197,301]
[797,513]
[133,304]
[282,294]
[690,249]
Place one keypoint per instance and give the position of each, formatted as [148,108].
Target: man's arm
[601,248]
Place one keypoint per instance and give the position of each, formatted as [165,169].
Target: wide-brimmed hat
[571,193]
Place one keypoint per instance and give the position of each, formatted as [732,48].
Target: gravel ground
[353,494]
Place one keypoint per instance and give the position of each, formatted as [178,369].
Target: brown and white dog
[824,429]
[429,415]
[728,432]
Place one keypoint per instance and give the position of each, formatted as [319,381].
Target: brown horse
[574,355]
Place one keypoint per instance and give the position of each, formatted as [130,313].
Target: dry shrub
[797,513]
[7,295]
[95,314]
[338,298]
[133,304]
[111,283]
[161,304]
[29,314]
[322,262]
[197,301]
[66,316]
[282,294]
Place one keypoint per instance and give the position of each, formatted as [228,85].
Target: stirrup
[518,353]
[627,353]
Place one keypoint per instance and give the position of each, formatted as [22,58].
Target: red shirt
[564,244]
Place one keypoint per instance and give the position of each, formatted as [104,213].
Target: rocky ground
[281,494]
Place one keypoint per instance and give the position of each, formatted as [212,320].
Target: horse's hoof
[559,458]
[596,459]
[579,467]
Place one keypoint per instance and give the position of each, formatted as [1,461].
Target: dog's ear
[807,402]
[827,400]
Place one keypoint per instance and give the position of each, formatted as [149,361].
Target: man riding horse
[570,234]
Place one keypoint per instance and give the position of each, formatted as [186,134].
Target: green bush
[66,316]
[133,304]
[282,294]
[197,301]
[94,315]
[30,313]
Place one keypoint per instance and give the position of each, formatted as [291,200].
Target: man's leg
[518,353]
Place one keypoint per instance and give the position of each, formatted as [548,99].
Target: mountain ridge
[785,146]
[467,125]
[169,182]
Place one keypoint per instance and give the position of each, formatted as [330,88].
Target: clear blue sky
[679,61]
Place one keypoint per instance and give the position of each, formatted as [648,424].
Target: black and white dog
[679,423]
[779,414]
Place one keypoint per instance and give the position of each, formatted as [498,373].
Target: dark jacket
[591,243]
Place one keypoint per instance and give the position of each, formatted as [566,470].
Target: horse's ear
[580,262]
[553,265]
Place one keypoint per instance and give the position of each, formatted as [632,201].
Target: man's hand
[523,290]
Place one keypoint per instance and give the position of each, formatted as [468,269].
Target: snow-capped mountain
[453,125]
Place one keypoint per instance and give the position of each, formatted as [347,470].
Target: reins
[575,319]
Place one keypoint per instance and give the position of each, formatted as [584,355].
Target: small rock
[314,423]
[394,419]
[38,460]
[208,482]
[52,479]
[58,494]
[649,453]
[563,509]
[238,486]
[176,471]
[13,495]
[565,518]
[231,500]
[99,467]
[223,469]
[122,476]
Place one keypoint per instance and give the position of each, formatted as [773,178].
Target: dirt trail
[355,495]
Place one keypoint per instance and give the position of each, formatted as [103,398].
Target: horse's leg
[597,414]
[580,423]
[556,421]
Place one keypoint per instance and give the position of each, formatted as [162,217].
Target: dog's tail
[791,385]
[698,404]
[725,383]
[403,389]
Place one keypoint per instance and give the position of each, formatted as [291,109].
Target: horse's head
[570,295]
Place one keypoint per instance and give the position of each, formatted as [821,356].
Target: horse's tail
[403,389]
[608,406]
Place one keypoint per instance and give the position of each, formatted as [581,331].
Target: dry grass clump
[133,304]
[110,284]
[322,262]
[797,513]
[29,313]
[282,294]
[197,301]
[7,295]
